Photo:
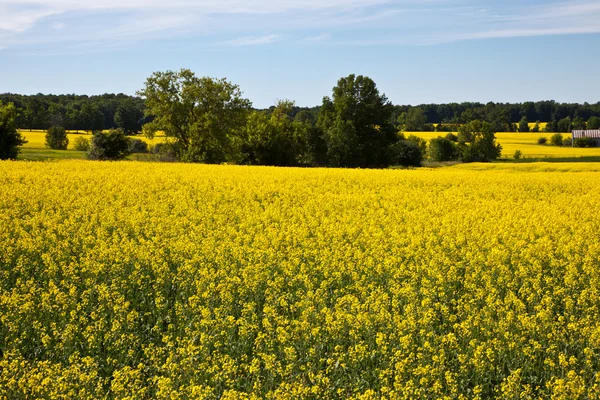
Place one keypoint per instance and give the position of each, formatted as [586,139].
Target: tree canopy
[356,124]
[203,115]
[10,138]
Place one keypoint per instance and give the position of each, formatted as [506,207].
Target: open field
[527,143]
[36,149]
[156,280]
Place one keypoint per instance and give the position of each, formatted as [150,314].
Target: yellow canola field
[36,139]
[142,280]
[527,143]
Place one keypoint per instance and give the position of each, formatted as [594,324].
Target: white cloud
[108,23]
[316,39]
[253,40]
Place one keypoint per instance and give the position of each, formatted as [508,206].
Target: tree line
[74,112]
[209,121]
[110,111]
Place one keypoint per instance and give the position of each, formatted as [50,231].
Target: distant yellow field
[36,139]
[527,143]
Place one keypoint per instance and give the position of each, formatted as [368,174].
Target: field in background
[527,143]
[510,141]
[36,149]
[149,280]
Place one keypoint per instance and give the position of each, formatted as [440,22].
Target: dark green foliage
[56,138]
[111,145]
[81,144]
[356,124]
[451,137]
[413,120]
[564,125]
[137,146]
[405,153]
[542,140]
[585,142]
[165,152]
[556,139]
[518,154]
[10,138]
[477,142]
[578,124]
[276,139]
[524,125]
[552,126]
[419,142]
[204,116]
[593,123]
[129,116]
[536,127]
[442,149]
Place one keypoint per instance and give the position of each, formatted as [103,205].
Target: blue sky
[427,51]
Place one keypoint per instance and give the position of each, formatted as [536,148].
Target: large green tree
[593,123]
[356,124]
[276,139]
[204,116]
[477,142]
[10,138]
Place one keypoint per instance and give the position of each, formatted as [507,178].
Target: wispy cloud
[316,39]
[74,24]
[253,40]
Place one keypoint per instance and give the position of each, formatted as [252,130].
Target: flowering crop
[140,280]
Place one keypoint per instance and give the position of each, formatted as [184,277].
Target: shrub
[543,140]
[81,144]
[442,149]
[165,152]
[420,142]
[452,137]
[524,125]
[56,138]
[536,127]
[556,139]
[10,138]
[112,145]
[137,146]
[584,142]
[406,153]
[518,154]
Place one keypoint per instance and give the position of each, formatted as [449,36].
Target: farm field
[148,280]
[36,149]
[527,143]
[511,141]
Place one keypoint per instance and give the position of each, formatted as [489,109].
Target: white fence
[595,134]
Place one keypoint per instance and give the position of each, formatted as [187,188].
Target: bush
[56,138]
[10,138]
[584,142]
[542,140]
[442,149]
[536,127]
[518,154]
[137,146]
[165,152]
[556,139]
[420,142]
[112,145]
[81,144]
[406,153]
[452,137]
